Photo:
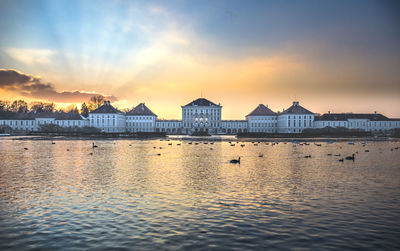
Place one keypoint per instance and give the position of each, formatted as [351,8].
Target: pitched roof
[296,109]
[33,115]
[17,116]
[347,116]
[201,102]
[106,108]
[68,116]
[142,110]
[262,110]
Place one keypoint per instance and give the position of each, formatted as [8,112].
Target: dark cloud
[30,86]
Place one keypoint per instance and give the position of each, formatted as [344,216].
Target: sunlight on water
[176,195]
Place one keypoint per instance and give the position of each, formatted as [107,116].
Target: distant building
[262,119]
[32,122]
[233,126]
[169,126]
[366,122]
[201,115]
[140,119]
[107,118]
[295,119]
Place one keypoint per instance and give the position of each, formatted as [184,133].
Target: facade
[108,119]
[140,119]
[31,122]
[200,115]
[262,119]
[366,122]
[295,119]
[233,126]
[169,126]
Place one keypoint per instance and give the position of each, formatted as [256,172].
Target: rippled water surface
[122,195]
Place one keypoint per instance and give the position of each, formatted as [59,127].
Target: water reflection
[123,194]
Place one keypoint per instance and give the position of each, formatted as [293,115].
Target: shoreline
[213,138]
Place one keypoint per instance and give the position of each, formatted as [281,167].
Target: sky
[338,56]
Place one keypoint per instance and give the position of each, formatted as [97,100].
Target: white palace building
[202,116]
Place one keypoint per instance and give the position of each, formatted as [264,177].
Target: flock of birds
[237,161]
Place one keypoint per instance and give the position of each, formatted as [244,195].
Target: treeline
[21,106]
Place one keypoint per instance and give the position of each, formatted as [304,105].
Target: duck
[25,148]
[242,145]
[350,157]
[367,151]
[307,156]
[261,155]
[235,161]
[341,160]
[329,154]
[158,154]
[337,155]
[53,143]
[93,145]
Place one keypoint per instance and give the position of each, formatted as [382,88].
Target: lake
[179,195]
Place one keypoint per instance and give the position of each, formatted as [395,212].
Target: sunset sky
[330,55]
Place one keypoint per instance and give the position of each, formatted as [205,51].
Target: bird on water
[235,161]
[350,157]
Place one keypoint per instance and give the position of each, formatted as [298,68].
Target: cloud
[32,86]
[31,56]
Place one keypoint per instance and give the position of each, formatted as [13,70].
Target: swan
[235,161]
[350,157]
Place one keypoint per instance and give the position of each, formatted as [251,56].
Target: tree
[36,106]
[71,108]
[95,101]
[42,107]
[19,106]
[4,106]
[49,107]
[84,110]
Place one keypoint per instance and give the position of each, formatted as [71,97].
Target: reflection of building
[200,115]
